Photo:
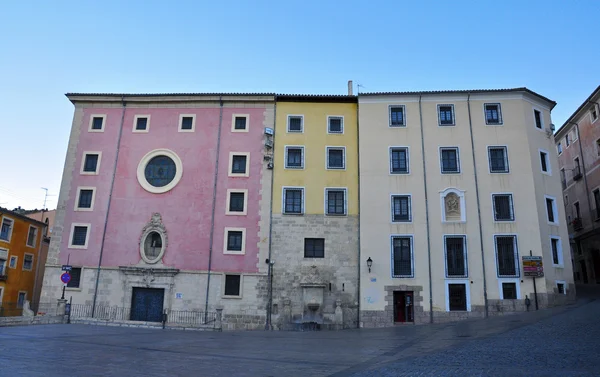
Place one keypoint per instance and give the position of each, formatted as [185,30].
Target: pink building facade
[165,205]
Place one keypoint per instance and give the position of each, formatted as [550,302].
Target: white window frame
[230,168]
[541,119]
[87,236]
[410,217]
[564,283]
[12,228]
[568,140]
[500,118]
[241,286]
[515,251]
[597,108]
[226,238]
[35,229]
[141,170]
[412,256]
[554,210]
[5,264]
[440,118]
[10,259]
[92,116]
[575,135]
[326,201]
[404,124]
[330,148]
[228,201]
[440,149]
[516,281]
[301,123]
[512,207]
[135,120]
[506,162]
[407,149]
[76,207]
[559,253]
[85,153]
[247,116]
[548,165]
[283,190]
[285,157]
[466,255]
[559,148]
[467,284]
[329,117]
[461,196]
[181,116]
[32,259]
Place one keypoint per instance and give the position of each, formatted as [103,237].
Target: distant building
[578,147]
[44,216]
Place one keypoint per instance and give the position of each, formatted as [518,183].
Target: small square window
[235,240]
[503,207]
[232,285]
[28,262]
[446,115]
[85,198]
[561,288]
[493,114]
[336,158]
[544,162]
[335,125]
[90,163]
[294,157]
[13,261]
[236,202]
[398,160]
[295,123]
[187,123]
[401,208]
[240,123]
[141,124]
[537,115]
[498,158]
[509,291]
[449,160]
[238,164]
[335,201]
[314,248]
[97,123]
[293,201]
[32,236]
[397,116]
[79,236]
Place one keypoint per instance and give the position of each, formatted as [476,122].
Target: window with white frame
[240,123]
[551,211]
[594,113]
[3,259]
[7,229]
[239,164]
[397,118]
[559,148]
[557,253]
[91,162]
[79,236]
[235,240]
[537,116]
[457,297]
[13,261]
[85,199]
[141,123]
[293,200]
[97,123]
[399,160]
[187,122]
[446,115]
[509,291]
[449,160]
[27,262]
[335,201]
[295,123]
[498,159]
[455,248]
[493,114]
[503,207]
[401,211]
[545,162]
[236,201]
[335,125]
[294,157]
[402,259]
[32,236]
[567,140]
[507,256]
[561,287]
[336,158]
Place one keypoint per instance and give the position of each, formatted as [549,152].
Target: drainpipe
[214,201]
[269,325]
[110,192]
[426,211]
[358,219]
[485,298]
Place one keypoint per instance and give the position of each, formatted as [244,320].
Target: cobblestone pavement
[556,342]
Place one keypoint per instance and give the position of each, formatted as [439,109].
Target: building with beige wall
[455,187]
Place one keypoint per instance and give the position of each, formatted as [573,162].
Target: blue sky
[50,48]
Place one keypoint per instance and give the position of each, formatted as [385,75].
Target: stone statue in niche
[452,206]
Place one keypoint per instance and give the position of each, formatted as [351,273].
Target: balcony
[576,173]
[577,223]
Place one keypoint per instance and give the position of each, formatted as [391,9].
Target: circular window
[159,171]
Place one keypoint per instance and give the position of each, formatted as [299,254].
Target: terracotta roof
[20,216]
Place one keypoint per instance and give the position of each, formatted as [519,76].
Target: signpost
[66,275]
[533,267]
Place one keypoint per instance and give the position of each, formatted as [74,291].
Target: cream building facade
[455,188]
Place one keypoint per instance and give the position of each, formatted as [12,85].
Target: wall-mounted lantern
[369,263]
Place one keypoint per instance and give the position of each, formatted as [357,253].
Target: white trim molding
[341,118]
[12,228]
[548,170]
[564,284]
[326,201]
[141,170]
[223,282]
[397,148]
[554,210]
[285,157]
[92,116]
[32,259]
[467,284]
[412,256]
[34,237]
[301,123]
[84,155]
[334,148]
[226,241]
[88,227]
[135,120]
[439,105]
[559,252]
[233,118]
[283,190]
[10,261]
[228,202]
[517,283]
[534,109]
[404,122]
[462,204]
[180,125]
[410,216]
[230,172]
[77,196]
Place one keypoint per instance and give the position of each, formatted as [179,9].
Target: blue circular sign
[65,278]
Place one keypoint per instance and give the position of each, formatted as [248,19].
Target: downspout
[214,201]
[485,298]
[110,192]
[426,211]
[358,219]
[269,325]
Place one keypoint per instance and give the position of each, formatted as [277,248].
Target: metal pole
[534,286]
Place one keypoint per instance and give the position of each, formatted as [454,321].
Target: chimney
[349,87]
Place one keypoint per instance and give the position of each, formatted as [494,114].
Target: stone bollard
[61,307]
[219,319]
[339,313]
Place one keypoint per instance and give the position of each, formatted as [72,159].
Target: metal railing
[191,317]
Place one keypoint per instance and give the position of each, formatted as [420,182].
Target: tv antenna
[45,197]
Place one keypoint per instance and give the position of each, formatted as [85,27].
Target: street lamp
[369,263]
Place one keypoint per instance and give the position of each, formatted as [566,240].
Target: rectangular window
[21,299]
[493,114]
[79,237]
[314,248]
[560,287]
[498,158]
[507,258]
[234,240]
[596,202]
[559,148]
[3,267]
[456,256]
[509,291]
[449,160]
[240,123]
[335,201]
[75,277]
[187,123]
[545,164]
[398,160]
[397,116]
[295,123]
[446,115]
[538,119]
[401,208]
[551,210]
[503,207]
[402,266]
[232,285]
[32,236]
[238,164]
[90,163]
[457,297]
[13,261]
[556,251]
[594,113]
[236,202]
[97,123]
[28,262]
[335,125]
[292,201]
[141,124]
[567,140]
[85,198]
[577,210]
[294,157]
[6,230]
[336,158]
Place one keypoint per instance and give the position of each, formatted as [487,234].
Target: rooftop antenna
[358,86]
[45,197]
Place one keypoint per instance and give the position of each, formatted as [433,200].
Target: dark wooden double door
[147,304]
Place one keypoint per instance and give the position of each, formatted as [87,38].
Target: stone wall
[34,320]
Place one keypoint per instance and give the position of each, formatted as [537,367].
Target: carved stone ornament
[452,202]
[153,242]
